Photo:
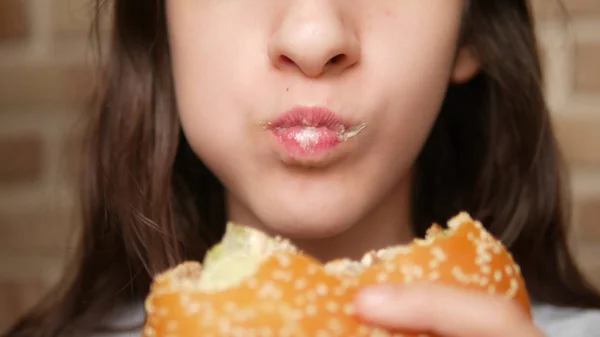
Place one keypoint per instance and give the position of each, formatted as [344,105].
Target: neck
[387,224]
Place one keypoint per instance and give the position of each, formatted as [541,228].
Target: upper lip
[310,117]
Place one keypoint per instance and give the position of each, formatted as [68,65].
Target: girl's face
[312,112]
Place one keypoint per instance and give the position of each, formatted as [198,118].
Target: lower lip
[301,141]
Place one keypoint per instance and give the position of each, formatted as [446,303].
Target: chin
[316,218]
[310,227]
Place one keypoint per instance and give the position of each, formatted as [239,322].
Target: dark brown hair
[149,203]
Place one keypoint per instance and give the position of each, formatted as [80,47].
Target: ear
[466,65]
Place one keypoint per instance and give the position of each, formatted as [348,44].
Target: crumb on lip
[343,133]
[351,132]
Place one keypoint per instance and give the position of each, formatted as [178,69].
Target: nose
[313,38]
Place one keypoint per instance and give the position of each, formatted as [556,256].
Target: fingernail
[374,298]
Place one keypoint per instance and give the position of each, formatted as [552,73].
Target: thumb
[443,310]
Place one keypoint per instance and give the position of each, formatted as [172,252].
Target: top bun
[252,284]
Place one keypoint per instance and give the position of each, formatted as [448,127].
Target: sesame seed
[287,331]
[348,309]
[297,315]
[423,243]
[244,315]
[311,310]
[513,288]
[434,264]
[224,326]
[268,290]
[434,275]
[322,289]
[149,331]
[439,254]
[300,284]
[322,333]
[349,282]
[517,269]
[239,332]
[282,275]
[411,271]
[171,326]
[335,326]
[299,300]
[382,277]
[367,260]
[149,305]
[459,275]
[265,332]
[229,306]
[377,332]
[284,261]
[339,291]
[332,307]
[390,253]
[363,330]
[184,299]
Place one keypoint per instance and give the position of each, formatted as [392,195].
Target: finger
[443,310]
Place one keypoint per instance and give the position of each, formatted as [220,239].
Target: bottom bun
[251,284]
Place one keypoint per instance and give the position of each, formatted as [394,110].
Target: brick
[587,258]
[588,218]
[594,277]
[587,67]
[579,139]
[73,17]
[545,9]
[565,9]
[26,267]
[18,298]
[21,158]
[35,85]
[14,19]
[48,231]
[582,7]
[71,151]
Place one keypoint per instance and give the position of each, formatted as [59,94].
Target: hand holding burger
[458,281]
[442,310]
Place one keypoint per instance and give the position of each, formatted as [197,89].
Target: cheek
[214,78]
[406,75]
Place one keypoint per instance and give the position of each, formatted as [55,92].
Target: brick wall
[45,75]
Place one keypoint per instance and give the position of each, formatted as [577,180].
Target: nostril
[337,59]
[285,60]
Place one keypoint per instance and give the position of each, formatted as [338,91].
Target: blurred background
[46,76]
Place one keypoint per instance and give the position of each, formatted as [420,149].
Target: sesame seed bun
[255,285]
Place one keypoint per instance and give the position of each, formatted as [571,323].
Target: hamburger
[252,284]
